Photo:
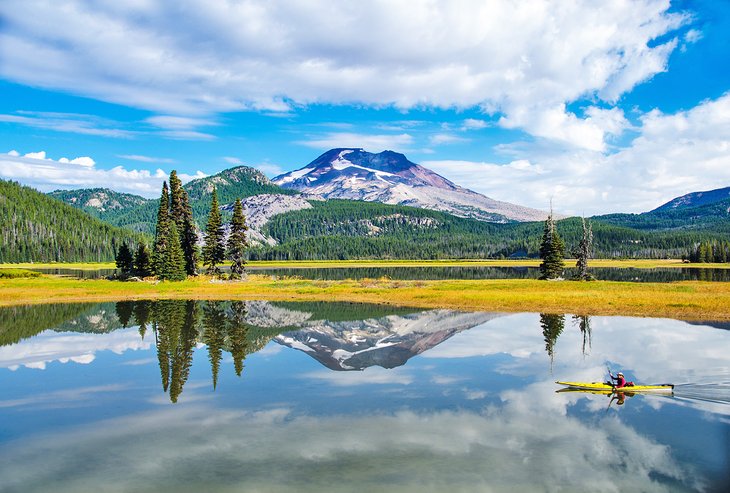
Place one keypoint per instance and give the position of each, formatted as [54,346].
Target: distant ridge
[696,199]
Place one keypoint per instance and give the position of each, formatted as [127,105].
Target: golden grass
[684,300]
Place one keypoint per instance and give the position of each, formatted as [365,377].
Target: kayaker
[620,381]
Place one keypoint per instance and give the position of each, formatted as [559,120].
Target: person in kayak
[620,381]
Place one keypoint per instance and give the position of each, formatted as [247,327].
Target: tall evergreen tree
[162,231]
[237,242]
[182,214]
[142,261]
[174,264]
[125,262]
[214,248]
[552,251]
[189,237]
[583,253]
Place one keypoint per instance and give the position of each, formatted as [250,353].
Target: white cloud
[673,155]
[474,124]
[376,142]
[69,122]
[36,170]
[81,161]
[146,159]
[441,139]
[516,58]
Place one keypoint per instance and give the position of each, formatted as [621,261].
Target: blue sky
[616,108]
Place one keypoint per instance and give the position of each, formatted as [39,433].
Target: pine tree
[237,243]
[214,249]
[142,261]
[182,214]
[552,251]
[162,231]
[125,262]
[583,253]
[174,265]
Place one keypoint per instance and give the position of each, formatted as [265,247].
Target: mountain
[389,177]
[696,199]
[39,228]
[103,203]
[698,212]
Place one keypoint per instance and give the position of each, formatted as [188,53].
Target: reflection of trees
[214,325]
[552,326]
[176,333]
[177,328]
[584,324]
[124,312]
[238,335]
[142,315]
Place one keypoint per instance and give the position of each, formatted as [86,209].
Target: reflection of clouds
[50,346]
[374,375]
[62,398]
[649,350]
[517,446]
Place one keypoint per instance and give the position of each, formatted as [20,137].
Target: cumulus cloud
[515,58]
[36,170]
[672,155]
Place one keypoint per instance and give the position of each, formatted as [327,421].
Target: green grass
[17,273]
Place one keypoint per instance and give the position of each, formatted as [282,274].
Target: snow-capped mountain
[390,178]
[388,341]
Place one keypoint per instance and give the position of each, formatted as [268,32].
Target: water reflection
[419,400]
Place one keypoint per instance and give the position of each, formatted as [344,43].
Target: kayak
[605,387]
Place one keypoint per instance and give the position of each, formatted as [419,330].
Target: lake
[187,396]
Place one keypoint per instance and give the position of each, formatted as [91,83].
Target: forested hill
[344,229]
[713,217]
[100,202]
[39,228]
[139,214]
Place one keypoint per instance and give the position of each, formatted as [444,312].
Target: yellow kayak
[606,387]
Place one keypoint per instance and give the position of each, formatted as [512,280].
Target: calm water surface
[186,396]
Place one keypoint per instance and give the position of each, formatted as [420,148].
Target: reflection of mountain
[21,322]
[389,341]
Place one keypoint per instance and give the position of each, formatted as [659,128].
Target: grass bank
[685,300]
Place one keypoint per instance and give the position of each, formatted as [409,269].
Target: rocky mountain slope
[696,199]
[390,178]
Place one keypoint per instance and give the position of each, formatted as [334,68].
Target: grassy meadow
[691,300]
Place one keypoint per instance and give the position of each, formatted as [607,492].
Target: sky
[606,107]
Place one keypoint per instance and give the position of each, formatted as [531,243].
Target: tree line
[710,252]
[175,253]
